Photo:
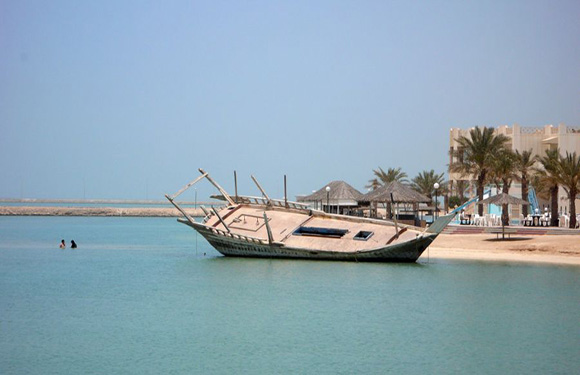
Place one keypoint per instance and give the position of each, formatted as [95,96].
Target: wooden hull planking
[233,245]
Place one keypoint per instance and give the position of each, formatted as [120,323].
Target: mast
[220,189]
[262,190]
[285,193]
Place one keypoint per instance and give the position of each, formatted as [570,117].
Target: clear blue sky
[126,99]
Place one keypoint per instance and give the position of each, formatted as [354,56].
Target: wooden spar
[262,190]
[394,217]
[221,220]
[188,186]
[220,189]
[205,211]
[285,193]
[270,238]
[236,185]
[189,218]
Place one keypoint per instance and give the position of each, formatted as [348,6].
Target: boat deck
[249,221]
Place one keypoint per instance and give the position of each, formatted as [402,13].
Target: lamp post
[327,199]
[436,186]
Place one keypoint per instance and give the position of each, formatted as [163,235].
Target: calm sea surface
[136,297]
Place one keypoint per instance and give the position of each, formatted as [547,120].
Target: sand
[553,249]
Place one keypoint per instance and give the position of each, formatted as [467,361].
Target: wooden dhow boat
[271,228]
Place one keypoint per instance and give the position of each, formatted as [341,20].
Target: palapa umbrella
[401,194]
[339,191]
[500,200]
[398,192]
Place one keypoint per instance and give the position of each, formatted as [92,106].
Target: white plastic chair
[488,219]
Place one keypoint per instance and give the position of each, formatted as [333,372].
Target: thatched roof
[401,194]
[338,190]
[503,198]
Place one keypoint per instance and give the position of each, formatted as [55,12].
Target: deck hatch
[320,232]
[363,235]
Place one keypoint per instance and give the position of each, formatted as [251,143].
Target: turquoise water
[136,298]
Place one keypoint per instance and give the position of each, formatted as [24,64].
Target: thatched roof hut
[401,194]
[340,199]
[503,198]
[339,190]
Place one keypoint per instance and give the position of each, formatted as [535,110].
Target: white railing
[531,130]
[271,202]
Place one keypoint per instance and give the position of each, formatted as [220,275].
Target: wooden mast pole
[261,190]
[204,174]
[220,189]
[285,193]
[221,220]
[270,237]
[236,185]
[394,217]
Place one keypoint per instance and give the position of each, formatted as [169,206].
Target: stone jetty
[97,211]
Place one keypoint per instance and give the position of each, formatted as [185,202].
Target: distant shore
[547,249]
[97,211]
[144,202]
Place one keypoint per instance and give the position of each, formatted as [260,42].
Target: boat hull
[227,245]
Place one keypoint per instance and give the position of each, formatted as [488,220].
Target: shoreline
[542,249]
[557,249]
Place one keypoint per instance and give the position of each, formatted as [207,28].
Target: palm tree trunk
[525,196]
[572,199]
[505,218]
[480,182]
[554,212]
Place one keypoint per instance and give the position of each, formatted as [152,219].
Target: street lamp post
[436,186]
[327,199]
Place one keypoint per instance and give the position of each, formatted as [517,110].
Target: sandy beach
[554,249]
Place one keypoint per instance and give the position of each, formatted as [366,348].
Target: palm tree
[374,184]
[475,156]
[504,170]
[424,181]
[548,175]
[568,176]
[460,188]
[383,178]
[525,162]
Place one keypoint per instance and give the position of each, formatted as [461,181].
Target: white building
[521,138]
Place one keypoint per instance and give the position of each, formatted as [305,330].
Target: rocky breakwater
[96,211]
